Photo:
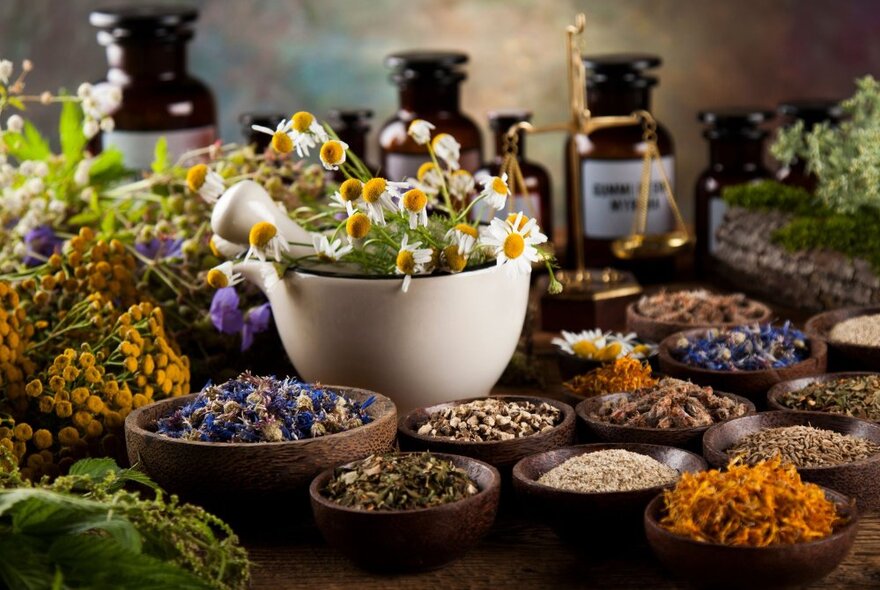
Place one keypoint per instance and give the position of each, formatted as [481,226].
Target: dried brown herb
[803,446]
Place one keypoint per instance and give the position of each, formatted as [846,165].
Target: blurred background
[289,55]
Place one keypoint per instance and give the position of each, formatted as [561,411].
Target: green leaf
[84,218]
[98,469]
[137,213]
[160,156]
[29,145]
[24,564]
[39,146]
[16,102]
[108,224]
[70,130]
[107,166]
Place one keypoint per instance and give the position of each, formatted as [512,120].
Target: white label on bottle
[610,190]
[138,147]
[399,167]
[717,209]
[530,205]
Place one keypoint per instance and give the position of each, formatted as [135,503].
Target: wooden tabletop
[518,553]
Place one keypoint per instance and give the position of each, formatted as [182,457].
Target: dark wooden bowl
[501,454]
[684,438]
[578,516]
[774,396]
[410,540]
[712,565]
[857,480]
[656,330]
[856,356]
[571,365]
[230,478]
[750,384]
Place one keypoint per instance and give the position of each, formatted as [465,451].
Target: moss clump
[769,195]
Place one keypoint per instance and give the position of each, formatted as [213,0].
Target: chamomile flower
[454,260]
[201,179]
[348,194]
[461,184]
[357,226]
[15,124]
[420,131]
[306,133]
[6,68]
[328,251]
[411,260]
[333,154]
[264,238]
[602,346]
[428,179]
[513,247]
[281,140]
[464,238]
[415,203]
[495,191]
[224,248]
[529,226]
[377,195]
[223,275]
[447,149]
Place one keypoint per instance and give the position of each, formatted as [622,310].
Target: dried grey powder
[611,470]
[861,330]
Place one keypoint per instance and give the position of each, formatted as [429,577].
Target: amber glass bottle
[610,161]
[429,86]
[146,54]
[260,141]
[811,112]
[352,127]
[736,156]
[537,202]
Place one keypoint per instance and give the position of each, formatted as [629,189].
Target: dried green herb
[399,481]
[854,396]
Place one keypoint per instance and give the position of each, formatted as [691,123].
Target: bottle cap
[501,120]
[812,112]
[621,68]
[350,118]
[145,21]
[735,121]
[440,66]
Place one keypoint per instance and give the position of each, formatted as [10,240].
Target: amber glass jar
[429,86]
[610,161]
[352,127]
[736,156]
[537,202]
[811,112]
[146,54]
[259,140]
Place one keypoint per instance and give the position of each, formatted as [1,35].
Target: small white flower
[263,238]
[461,184]
[103,100]
[204,181]
[463,236]
[332,154]
[223,275]
[57,207]
[41,169]
[84,91]
[602,346]
[34,186]
[378,196]
[420,131]
[27,167]
[107,124]
[411,260]
[347,196]
[447,149]
[224,248]
[495,191]
[329,251]
[5,70]
[415,203]
[14,124]
[513,244]
[306,133]
[90,128]
[81,174]
[281,139]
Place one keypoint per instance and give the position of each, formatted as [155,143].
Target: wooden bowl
[501,454]
[750,384]
[774,396]
[684,438]
[230,478]
[857,479]
[410,540]
[712,565]
[853,355]
[656,330]
[571,365]
[578,516]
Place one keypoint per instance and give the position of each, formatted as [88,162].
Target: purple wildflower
[157,248]
[256,321]
[225,315]
[41,242]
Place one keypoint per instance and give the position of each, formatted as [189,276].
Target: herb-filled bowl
[855,478]
[840,330]
[230,477]
[594,517]
[414,539]
[752,383]
[500,451]
[581,352]
[854,394]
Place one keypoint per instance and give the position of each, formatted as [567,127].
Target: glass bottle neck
[153,61]
[736,153]
[617,100]
[499,145]
[429,98]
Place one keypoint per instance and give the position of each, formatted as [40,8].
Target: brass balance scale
[638,244]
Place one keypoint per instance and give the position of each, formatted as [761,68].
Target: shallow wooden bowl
[750,384]
[820,325]
[576,516]
[774,396]
[712,565]
[857,480]
[410,540]
[684,438]
[501,454]
[230,478]
[656,330]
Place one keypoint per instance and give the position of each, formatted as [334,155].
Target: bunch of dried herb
[803,446]
[857,396]
[491,419]
[399,481]
[699,307]
[624,374]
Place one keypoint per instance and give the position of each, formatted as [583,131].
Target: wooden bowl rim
[461,461]
[581,410]
[817,346]
[132,426]
[811,326]
[632,310]
[568,420]
[532,484]
[777,391]
[807,416]
[841,501]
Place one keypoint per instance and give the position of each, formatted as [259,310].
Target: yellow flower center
[514,244]
[609,352]
[351,189]
[454,260]
[414,200]
[584,349]
[332,153]
[406,263]
[282,143]
[302,121]
[467,229]
[373,189]
[261,233]
[217,279]
[499,186]
[195,177]
[358,225]
[424,170]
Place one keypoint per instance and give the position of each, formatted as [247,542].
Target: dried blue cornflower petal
[264,409]
[744,348]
